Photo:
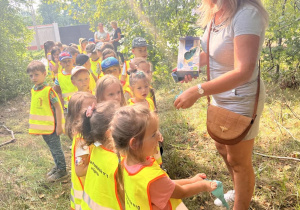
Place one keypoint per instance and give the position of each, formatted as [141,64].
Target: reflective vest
[94,67]
[80,50]
[149,101]
[126,85]
[100,188]
[53,75]
[66,86]
[136,187]
[77,182]
[41,119]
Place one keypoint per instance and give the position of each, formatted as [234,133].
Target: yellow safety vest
[136,187]
[94,65]
[100,188]
[53,75]
[66,86]
[149,100]
[80,50]
[126,85]
[41,119]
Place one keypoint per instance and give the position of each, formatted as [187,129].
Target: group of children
[111,119]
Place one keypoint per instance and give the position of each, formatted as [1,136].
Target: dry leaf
[41,196]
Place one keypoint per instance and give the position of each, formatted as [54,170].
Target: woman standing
[235,42]
[116,36]
[101,35]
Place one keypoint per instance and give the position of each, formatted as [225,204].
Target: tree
[14,38]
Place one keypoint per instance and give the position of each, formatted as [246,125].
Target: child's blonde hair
[130,122]
[103,83]
[94,127]
[74,108]
[137,75]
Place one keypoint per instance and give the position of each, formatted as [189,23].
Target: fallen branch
[278,157]
[12,135]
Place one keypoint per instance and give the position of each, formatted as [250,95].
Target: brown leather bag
[224,126]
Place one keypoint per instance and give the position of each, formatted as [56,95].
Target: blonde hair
[209,9]
[130,122]
[103,83]
[74,108]
[114,23]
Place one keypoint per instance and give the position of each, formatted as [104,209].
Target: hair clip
[139,73]
[90,110]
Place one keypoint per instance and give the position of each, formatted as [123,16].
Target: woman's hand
[187,98]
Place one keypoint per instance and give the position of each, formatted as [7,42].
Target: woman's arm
[95,37]
[107,38]
[245,55]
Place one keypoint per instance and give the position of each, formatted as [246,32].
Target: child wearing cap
[80,78]
[63,84]
[111,66]
[95,60]
[84,60]
[74,52]
[46,117]
[82,45]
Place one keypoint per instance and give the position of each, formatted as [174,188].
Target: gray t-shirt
[247,20]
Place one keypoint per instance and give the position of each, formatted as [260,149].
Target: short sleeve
[56,82]
[160,192]
[53,97]
[248,21]
[81,148]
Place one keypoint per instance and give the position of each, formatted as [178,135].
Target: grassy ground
[188,150]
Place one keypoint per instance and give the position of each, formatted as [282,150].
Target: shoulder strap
[208,75]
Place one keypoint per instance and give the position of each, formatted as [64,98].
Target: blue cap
[109,62]
[64,55]
[91,40]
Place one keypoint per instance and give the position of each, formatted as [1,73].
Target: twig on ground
[278,157]
[292,111]
[12,135]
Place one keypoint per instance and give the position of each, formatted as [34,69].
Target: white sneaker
[229,197]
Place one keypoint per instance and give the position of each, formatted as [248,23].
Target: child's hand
[161,138]
[59,130]
[199,177]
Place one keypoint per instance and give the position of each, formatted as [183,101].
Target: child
[80,153]
[95,61]
[63,84]
[46,117]
[100,188]
[48,45]
[82,45]
[110,88]
[54,65]
[146,185]
[108,53]
[84,60]
[145,66]
[59,45]
[74,52]
[80,78]
[140,87]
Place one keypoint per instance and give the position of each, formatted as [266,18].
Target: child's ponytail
[86,125]
[120,180]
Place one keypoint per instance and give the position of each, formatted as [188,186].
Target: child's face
[151,138]
[113,70]
[67,64]
[84,44]
[94,56]
[99,54]
[37,77]
[87,64]
[113,92]
[145,67]
[56,56]
[140,89]
[140,52]
[81,80]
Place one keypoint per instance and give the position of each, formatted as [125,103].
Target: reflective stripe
[92,204]
[72,198]
[181,206]
[41,127]
[41,118]
[77,193]
[64,95]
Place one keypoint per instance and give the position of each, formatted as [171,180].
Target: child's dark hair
[94,128]
[48,45]
[73,117]
[58,44]
[72,50]
[108,51]
[137,75]
[53,51]
[107,45]
[36,66]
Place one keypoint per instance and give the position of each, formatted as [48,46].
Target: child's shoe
[58,175]
[229,197]
[52,171]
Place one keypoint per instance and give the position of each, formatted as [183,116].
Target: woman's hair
[74,108]
[48,46]
[103,83]
[114,23]
[130,122]
[53,51]
[137,75]
[94,128]
[108,51]
[208,9]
